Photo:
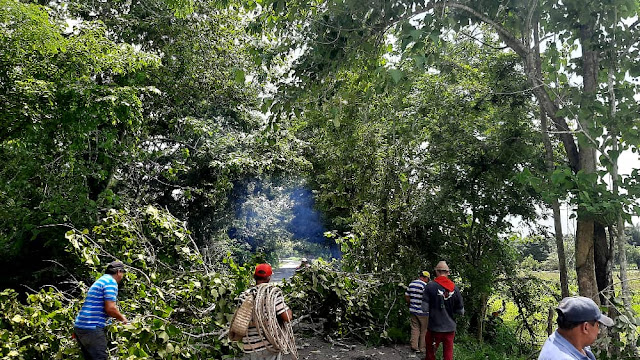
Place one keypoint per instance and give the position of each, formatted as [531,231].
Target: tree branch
[515,44]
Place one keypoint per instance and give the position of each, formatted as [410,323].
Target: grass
[545,301]
[468,349]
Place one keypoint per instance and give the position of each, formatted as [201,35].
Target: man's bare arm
[287,316]
[112,310]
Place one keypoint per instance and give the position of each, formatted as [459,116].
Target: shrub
[529,263]
[178,305]
[366,306]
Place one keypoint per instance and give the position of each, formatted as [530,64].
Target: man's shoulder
[103,281]
[107,280]
[554,354]
[433,285]
[247,292]
[551,351]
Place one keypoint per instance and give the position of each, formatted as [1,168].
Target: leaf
[163,336]
[239,76]
[396,75]
[435,36]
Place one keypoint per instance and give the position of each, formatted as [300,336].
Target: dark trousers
[93,343]
[433,340]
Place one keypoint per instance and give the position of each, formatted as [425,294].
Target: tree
[128,105]
[567,82]
[425,169]
[204,135]
[67,121]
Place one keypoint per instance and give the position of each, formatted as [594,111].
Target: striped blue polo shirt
[92,314]
[414,291]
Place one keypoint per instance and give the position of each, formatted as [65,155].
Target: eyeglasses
[444,271]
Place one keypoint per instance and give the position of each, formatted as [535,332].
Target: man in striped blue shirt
[100,303]
[419,319]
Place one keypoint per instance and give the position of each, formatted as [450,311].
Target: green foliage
[40,329]
[413,138]
[66,121]
[502,347]
[518,312]
[426,169]
[205,145]
[538,247]
[590,98]
[624,337]
[368,307]
[633,255]
[178,305]
[126,104]
[530,264]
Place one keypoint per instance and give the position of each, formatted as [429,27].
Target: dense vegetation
[192,139]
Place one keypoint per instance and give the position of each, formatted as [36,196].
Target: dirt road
[285,271]
[319,349]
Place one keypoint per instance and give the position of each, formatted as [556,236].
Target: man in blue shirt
[100,303]
[579,320]
[419,319]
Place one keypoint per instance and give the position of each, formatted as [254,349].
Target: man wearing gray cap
[100,303]
[579,320]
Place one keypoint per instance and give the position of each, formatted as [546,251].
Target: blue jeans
[93,343]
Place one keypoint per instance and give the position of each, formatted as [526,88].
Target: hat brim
[605,320]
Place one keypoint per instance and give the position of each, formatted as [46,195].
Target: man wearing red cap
[255,343]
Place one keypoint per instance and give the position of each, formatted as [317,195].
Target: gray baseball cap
[578,309]
[115,266]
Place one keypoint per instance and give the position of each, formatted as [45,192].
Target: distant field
[545,300]
[633,276]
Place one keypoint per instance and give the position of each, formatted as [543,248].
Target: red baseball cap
[263,270]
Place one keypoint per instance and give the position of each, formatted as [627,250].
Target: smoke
[307,223]
[279,215]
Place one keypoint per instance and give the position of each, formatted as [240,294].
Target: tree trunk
[552,312]
[482,313]
[582,157]
[620,240]
[602,260]
[555,205]
[548,149]
[585,264]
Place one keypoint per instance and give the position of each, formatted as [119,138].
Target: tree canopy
[191,139]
